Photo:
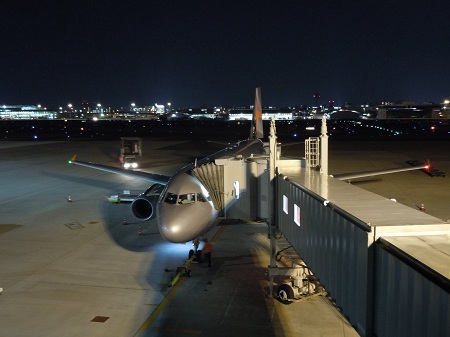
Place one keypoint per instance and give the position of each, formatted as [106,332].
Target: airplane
[181,204]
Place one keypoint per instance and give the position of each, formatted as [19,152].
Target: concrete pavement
[73,268]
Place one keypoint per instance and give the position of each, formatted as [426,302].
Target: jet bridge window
[285,204]
[297,214]
[171,198]
[184,199]
[236,189]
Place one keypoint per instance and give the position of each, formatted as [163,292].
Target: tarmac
[80,267]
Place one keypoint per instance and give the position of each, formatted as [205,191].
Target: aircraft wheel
[191,252]
[199,256]
[285,293]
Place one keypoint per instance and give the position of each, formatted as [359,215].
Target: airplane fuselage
[184,210]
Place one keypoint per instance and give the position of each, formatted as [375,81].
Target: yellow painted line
[184,331]
[149,321]
[182,271]
[8,227]
[160,307]
[218,233]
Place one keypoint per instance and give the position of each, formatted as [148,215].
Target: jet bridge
[360,247]
[383,263]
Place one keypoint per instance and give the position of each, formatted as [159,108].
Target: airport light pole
[70,109]
[324,147]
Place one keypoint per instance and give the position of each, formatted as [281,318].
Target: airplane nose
[172,228]
[183,212]
[183,223]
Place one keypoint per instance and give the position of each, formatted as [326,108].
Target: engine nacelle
[144,207]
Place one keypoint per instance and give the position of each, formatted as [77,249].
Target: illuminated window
[184,199]
[297,215]
[236,189]
[285,204]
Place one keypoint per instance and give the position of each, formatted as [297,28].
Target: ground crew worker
[207,250]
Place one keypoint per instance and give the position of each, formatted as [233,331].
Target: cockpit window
[171,198]
[201,198]
[188,198]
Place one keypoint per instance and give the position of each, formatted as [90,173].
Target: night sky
[214,53]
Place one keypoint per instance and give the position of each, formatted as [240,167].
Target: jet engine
[144,206]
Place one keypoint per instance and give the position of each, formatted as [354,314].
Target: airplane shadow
[366,181]
[126,231]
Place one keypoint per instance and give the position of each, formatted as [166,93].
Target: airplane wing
[350,176]
[151,177]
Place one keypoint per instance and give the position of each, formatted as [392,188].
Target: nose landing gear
[196,253]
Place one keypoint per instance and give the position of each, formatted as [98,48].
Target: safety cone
[125,221]
[422,208]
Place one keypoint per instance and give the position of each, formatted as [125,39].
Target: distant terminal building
[342,114]
[407,109]
[267,113]
[160,109]
[26,112]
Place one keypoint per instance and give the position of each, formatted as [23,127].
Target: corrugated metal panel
[211,176]
[411,299]
[333,244]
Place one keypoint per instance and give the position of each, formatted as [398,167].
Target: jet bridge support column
[324,147]
[273,156]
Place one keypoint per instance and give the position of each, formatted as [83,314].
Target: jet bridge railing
[332,242]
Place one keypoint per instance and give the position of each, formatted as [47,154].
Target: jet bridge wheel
[285,293]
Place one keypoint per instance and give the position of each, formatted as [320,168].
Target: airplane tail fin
[257,124]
